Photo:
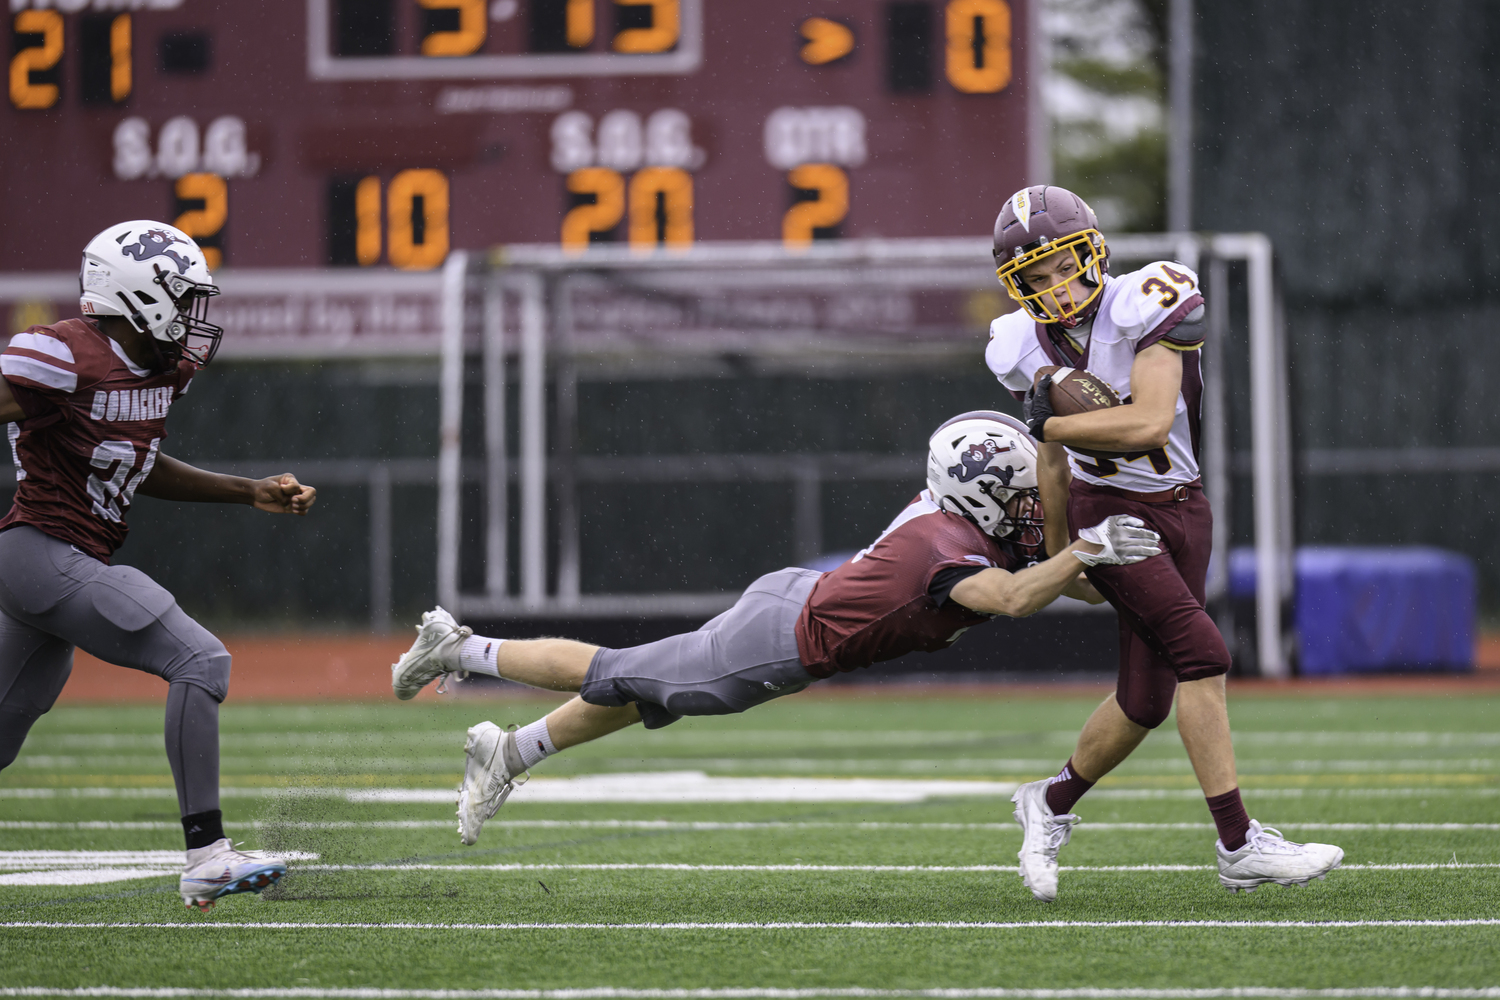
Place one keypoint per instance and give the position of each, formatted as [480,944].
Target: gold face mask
[1056,304]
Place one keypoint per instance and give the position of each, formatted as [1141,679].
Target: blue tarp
[1375,609]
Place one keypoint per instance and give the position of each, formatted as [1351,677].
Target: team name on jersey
[132,404]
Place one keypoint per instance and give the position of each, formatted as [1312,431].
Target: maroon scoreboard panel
[310,133]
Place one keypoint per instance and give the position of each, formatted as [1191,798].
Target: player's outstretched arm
[10,410]
[174,480]
[1141,424]
[1117,540]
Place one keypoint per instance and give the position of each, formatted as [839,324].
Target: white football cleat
[1267,856]
[220,870]
[491,773]
[435,653]
[1044,835]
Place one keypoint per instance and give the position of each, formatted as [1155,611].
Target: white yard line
[86,859]
[766,737]
[241,925]
[774,993]
[707,826]
[600,789]
[87,876]
[671,867]
[1142,766]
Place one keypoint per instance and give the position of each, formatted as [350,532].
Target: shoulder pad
[1012,337]
[1150,296]
[65,357]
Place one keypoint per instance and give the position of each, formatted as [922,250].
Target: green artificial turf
[1304,760]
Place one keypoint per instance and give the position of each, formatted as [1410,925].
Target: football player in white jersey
[1140,332]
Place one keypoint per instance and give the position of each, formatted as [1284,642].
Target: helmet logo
[975,462]
[1020,203]
[157,243]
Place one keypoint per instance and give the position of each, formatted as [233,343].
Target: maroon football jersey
[877,607]
[93,426]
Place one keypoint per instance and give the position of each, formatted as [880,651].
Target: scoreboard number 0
[978,45]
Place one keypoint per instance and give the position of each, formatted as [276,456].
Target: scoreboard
[375,133]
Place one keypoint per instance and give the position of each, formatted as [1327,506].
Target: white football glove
[1125,539]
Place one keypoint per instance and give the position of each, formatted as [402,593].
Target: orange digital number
[578,23]
[206,222]
[1169,294]
[473,24]
[978,45]
[119,58]
[829,209]
[24,94]
[367,221]
[661,208]
[599,216]
[666,25]
[417,214]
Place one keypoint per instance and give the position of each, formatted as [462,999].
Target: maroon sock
[1230,818]
[1066,789]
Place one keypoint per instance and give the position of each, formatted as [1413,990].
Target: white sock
[534,742]
[478,655]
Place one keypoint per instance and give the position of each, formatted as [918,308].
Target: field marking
[86,876]
[95,859]
[773,993]
[382,796]
[774,737]
[790,925]
[708,826]
[1146,765]
[676,867]
[100,867]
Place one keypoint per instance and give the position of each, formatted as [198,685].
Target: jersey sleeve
[51,362]
[961,548]
[1161,305]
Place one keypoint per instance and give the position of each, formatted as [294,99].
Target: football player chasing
[85,403]
[962,552]
[1140,332]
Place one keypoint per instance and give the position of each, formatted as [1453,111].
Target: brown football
[1078,390]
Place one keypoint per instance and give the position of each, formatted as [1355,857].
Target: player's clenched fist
[1125,540]
[284,495]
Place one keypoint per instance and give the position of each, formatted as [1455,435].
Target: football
[1078,390]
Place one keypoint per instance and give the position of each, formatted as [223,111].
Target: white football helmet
[154,275]
[977,463]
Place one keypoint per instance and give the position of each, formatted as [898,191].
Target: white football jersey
[1159,303]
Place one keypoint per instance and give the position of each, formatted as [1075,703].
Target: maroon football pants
[1166,636]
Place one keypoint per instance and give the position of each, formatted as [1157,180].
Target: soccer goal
[880,304]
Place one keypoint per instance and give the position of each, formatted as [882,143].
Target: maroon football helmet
[1036,223]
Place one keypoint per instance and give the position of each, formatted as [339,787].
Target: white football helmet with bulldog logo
[977,463]
[154,275]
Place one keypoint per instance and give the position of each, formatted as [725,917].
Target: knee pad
[1147,705]
[207,667]
[699,703]
[15,723]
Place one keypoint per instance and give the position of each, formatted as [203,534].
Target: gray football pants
[743,658]
[54,597]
